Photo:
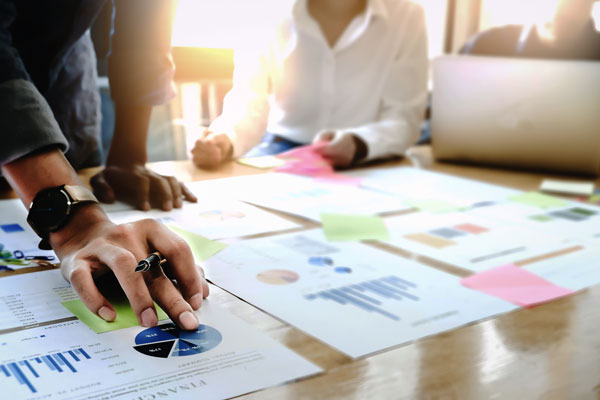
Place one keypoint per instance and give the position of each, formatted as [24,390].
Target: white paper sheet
[224,358]
[213,218]
[567,187]
[33,299]
[351,296]
[415,185]
[470,241]
[303,196]
[18,242]
[575,271]
[575,222]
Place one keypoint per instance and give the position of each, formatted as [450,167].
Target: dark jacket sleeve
[26,121]
[141,68]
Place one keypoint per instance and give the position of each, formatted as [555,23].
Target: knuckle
[77,276]
[122,232]
[124,258]
[180,246]
[176,302]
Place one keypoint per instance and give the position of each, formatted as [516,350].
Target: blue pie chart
[168,340]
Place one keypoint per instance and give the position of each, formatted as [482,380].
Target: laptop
[525,113]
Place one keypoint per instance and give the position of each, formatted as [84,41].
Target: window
[221,24]
[435,13]
[503,12]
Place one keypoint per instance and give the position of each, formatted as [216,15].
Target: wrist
[85,218]
[361,149]
[126,160]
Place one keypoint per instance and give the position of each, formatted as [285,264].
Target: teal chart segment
[167,340]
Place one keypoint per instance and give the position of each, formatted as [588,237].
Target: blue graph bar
[48,363]
[33,371]
[400,281]
[51,361]
[19,370]
[360,295]
[83,353]
[65,362]
[21,378]
[73,355]
[364,295]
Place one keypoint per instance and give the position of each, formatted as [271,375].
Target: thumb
[102,189]
[326,136]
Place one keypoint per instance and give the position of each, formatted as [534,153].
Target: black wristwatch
[52,208]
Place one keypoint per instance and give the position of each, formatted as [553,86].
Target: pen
[153,260]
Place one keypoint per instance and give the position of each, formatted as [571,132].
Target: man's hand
[212,150]
[343,149]
[137,184]
[90,246]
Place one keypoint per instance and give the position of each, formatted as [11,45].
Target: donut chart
[167,340]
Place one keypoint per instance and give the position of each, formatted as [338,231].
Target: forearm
[128,146]
[30,174]
[45,169]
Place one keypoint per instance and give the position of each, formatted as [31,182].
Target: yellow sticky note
[433,205]
[540,200]
[202,248]
[343,227]
[125,316]
[263,162]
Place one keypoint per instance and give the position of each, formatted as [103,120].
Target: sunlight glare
[520,12]
[222,24]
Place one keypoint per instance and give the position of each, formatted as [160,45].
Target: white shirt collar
[304,21]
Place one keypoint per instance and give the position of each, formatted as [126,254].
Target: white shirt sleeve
[246,106]
[404,98]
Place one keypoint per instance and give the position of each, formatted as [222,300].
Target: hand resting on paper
[212,149]
[344,148]
[91,246]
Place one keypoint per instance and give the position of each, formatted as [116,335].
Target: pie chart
[167,340]
[278,277]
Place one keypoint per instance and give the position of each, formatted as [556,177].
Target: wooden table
[549,352]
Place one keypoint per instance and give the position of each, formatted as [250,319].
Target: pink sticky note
[516,285]
[305,152]
[305,168]
[338,179]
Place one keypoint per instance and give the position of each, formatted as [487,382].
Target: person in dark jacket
[49,105]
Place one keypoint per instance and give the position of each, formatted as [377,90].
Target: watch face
[49,209]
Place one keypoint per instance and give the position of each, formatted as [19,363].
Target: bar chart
[23,371]
[369,295]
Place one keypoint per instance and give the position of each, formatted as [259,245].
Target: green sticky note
[342,227]
[125,316]
[202,248]
[540,200]
[433,205]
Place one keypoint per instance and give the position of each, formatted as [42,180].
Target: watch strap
[80,194]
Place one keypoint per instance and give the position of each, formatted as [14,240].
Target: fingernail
[168,205]
[149,318]
[196,301]
[188,321]
[107,314]
[146,206]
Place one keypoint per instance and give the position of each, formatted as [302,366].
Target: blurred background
[206,32]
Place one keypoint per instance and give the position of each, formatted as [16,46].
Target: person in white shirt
[350,72]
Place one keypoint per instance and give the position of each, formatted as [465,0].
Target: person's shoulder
[501,41]
[396,7]
[403,11]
